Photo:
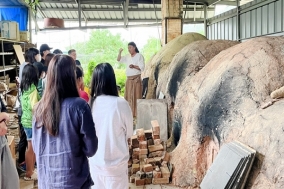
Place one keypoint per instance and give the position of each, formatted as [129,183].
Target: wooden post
[172,19]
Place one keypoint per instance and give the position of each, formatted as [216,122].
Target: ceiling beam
[229,3]
[119,9]
[98,20]
[85,18]
[125,12]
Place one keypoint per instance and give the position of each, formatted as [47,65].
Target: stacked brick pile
[149,161]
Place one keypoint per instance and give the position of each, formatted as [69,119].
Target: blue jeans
[28,132]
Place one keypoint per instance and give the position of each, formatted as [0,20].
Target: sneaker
[33,177]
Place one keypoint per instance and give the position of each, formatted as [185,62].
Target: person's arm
[3,128]
[88,132]
[141,64]
[119,55]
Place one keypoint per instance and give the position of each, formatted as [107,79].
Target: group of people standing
[76,140]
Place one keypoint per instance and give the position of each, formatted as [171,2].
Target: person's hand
[18,81]
[42,75]
[120,50]
[3,128]
[131,66]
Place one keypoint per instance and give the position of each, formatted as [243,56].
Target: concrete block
[149,110]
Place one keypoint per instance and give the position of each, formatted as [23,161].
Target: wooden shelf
[10,67]
[6,53]
[10,40]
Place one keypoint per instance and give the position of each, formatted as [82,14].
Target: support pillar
[172,19]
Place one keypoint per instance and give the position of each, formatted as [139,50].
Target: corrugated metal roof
[114,13]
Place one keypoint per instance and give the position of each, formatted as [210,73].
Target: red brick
[134,141]
[157,174]
[143,152]
[165,172]
[147,168]
[132,179]
[143,145]
[156,154]
[160,180]
[135,161]
[150,161]
[139,182]
[157,141]
[148,180]
[135,168]
[155,148]
[155,137]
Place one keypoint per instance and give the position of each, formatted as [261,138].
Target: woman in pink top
[80,84]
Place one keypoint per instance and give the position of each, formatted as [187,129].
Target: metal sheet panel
[258,21]
[243,26]
[271,18]
[230,29]
[253,23]
[222,29]
[264,16]
[248,24]
[234,28]
[226,29]
[278,16]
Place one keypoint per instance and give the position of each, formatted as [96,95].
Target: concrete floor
[30,185]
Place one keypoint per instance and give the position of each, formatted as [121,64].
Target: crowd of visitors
[69,138]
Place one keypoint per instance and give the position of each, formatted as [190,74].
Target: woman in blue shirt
[64,134]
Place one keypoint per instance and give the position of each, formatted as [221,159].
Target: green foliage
[119,74]
[89,72]
[102,46]
[120,79]
[32,4]
[152,47]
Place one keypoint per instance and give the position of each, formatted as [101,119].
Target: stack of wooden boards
[149,161]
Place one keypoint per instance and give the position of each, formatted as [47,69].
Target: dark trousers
[22,146]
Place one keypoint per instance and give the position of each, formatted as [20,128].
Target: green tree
[102,46]
[152,47]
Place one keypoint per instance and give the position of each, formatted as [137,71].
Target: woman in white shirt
[135,65]
[114,125]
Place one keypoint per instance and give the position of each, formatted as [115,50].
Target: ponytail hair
[134,45]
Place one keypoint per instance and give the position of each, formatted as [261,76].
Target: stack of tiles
[149,161]
[231,167]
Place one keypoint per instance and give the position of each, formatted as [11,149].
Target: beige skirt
[133,91]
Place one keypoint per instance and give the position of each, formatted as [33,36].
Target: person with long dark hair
[135,65]
[114,125]
[29,98]
[64,134]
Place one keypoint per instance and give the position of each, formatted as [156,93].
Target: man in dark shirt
[72,53]
[44,50]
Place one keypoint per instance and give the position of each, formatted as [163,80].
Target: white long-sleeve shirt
[114,125]
[137,60]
